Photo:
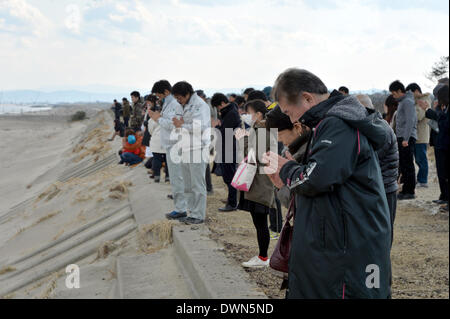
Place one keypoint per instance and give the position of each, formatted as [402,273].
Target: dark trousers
[126,120]
[442,160]
[228,171]
[130,158]
[276,217]
[209,186]
[392,203]
[262,232]
[407,168]
[158,160]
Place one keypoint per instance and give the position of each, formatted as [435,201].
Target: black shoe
[440,201]
[191,221]
[227,208]
[402,196]
[170,196]
[176,215]
[157,179]
[121,162]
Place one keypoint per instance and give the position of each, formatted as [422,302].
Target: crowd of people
[327,156]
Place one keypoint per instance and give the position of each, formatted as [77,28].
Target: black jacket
[442,140]
[342,225]
[229,120]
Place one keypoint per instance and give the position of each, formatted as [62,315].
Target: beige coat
[423,130]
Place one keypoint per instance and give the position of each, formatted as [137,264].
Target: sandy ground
[420,253]
[41,147]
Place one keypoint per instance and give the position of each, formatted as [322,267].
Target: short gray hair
[365,100]
[292,82]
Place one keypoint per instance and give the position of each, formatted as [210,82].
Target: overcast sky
[96,44]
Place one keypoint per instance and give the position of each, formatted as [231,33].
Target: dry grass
[105,249]
[156,236]
[50,192]
[120,190]
[7,269]
[46,294]
[58,234]
[46,217]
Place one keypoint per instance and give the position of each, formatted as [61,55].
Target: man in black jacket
[342,232]
[229,121]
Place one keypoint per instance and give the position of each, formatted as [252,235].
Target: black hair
[182,88]
[392,105]
[257,106]
[443,96]
[218,98]
[239,100]
[413,87]
[397,85]
[257,95]
[292,82]
[201,93]
[277,119]
[233,95]
[136,94]
[344,89]
[161,86]
[248,90]
[124,99]
[129,131]
[115,101]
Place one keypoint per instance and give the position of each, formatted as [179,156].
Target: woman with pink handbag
[257,193]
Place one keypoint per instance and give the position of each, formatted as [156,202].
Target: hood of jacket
[348,109]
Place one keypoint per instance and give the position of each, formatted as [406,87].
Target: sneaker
[121,163]
[274,235]
[256,262]
[422,185]
[157,179]
[191,221]
[176,215]
[170,196]
[227,208]
[402,196]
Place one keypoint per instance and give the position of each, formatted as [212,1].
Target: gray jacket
[388,157]
[406,126]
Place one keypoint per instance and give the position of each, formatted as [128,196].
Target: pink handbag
[244,176]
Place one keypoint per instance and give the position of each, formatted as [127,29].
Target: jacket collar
[228,108]
[317,113]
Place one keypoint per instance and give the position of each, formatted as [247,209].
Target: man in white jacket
[170,109]
[195,128]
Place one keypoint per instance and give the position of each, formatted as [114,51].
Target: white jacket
[155,142]
[171,108]
[196,110]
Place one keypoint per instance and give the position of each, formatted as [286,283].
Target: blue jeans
[422,162]
[130,158]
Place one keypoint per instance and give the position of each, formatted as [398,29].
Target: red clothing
[135,148]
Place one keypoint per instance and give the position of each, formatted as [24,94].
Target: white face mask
[248,119]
